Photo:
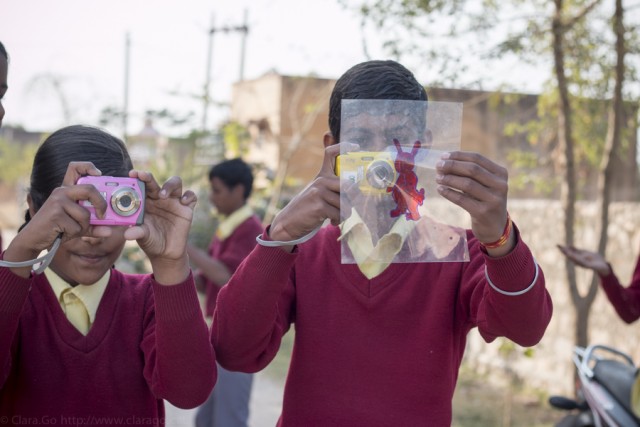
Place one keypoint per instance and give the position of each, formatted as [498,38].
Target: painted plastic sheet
[390,209]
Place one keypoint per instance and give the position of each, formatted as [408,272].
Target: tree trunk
[565,141]
[614,130]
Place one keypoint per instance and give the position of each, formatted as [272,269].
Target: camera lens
[380,174]
[125,201]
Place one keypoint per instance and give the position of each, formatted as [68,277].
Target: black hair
[233,172]
[3,52]
[76,143]
[373,80]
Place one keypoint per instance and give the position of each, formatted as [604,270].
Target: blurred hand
[586,259]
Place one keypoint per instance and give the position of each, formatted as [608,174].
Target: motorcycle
[605,378]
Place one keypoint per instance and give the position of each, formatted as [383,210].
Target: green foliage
[236,139]
[15,161]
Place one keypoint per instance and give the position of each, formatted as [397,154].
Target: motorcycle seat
[617,378]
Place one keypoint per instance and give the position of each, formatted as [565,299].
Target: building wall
[287,117]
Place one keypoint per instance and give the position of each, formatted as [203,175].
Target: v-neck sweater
[149,342]
[377,352]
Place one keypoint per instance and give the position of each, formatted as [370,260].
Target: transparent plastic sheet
[390,209]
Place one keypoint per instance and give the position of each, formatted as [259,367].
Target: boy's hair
[3,52]
[233,172]
[75,144]
[373,80]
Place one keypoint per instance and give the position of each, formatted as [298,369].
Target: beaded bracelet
[504,238]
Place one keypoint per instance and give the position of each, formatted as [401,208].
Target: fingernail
[440,164]
[163,193]
[439,177]
[445,155]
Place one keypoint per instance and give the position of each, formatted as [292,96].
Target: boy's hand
[318,201]
[480,187]
[168,213]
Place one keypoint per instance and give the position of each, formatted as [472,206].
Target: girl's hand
[60,215]
[168,213]
[587,259]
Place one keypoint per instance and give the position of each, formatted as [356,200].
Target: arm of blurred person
[625,300]
[211,268]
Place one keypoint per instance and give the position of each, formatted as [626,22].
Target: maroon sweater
[380,352]
[626,301]
[231,251]
[149,342]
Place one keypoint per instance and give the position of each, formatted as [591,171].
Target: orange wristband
[503,239]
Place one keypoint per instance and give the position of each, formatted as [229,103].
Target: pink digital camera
[124,196]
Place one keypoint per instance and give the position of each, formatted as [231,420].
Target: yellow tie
[75,310]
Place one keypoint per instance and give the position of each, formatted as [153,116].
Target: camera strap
[44,260]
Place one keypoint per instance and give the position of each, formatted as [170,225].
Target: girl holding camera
[83,340]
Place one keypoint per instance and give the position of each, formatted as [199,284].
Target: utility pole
[244,30]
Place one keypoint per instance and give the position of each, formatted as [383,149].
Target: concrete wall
[541,225]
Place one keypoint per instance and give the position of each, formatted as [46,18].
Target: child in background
[231,184]
[84,341]
[381,349]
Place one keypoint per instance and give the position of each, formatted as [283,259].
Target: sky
[76,48]
[67,57]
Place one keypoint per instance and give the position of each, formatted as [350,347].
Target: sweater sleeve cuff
[513,272]
[273,260]
[176,302]
[13,291]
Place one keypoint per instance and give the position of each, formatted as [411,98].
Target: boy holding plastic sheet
[383,350]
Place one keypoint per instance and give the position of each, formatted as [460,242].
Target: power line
[226,29]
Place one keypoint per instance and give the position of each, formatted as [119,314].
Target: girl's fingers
[172,187]
[152,188]
[77,169]
[189,198]
[87,193]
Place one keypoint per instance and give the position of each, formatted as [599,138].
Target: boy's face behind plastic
[374,133]
[85,260]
